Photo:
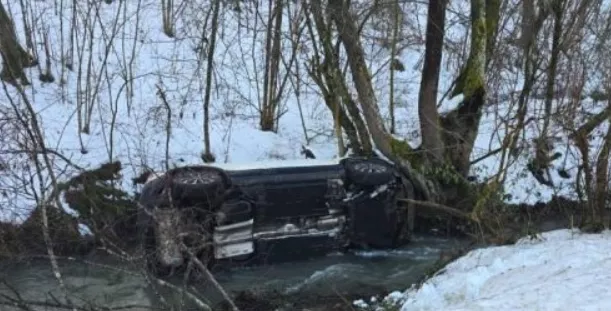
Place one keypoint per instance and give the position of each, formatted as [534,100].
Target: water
[360,273]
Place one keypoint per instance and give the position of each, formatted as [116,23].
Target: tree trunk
[393,55]
[14,57]
[427,98]
[348,33]
[553,65]
[207,156]
[462,125]
[334,87]
[271,98]
[580,138]
[365,147]
[602,178]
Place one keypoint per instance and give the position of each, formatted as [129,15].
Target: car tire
[189,186]
[198,185]
[368,172]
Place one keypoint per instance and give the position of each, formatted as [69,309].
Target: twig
[441,207]
[210,277]
[19,303]
[43,151]
[485,156]
[88,262]
[196,300]
[36,135]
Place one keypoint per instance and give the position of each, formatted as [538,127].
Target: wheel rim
[370,168]
[196,178]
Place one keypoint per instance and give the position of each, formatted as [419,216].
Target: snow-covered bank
[559,270]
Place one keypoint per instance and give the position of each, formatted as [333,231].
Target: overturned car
[271,212]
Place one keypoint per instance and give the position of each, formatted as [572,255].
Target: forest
[480,103]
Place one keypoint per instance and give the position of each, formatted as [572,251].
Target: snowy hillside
[116,59]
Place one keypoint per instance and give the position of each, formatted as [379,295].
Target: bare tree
[324,69]
[427,98]
[167,13]
[272,65]
[207,156]
[458,128]
[14,57]
[395,64]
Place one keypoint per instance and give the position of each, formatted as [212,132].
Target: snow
[128,120]
[566,269]
[557,270]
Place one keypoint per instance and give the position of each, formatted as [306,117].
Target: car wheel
[368,172]
[198,186]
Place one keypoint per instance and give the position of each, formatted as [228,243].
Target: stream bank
[327,283]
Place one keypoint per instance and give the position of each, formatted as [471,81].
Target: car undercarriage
[273,213]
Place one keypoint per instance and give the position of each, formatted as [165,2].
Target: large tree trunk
[207,156]
[329,79]
[602,179]
[427,98]
[272,63]
[459,128]
[348,33]
[14,57]
[596,181]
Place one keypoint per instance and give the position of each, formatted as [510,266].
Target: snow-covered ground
[557,270]
[127,119]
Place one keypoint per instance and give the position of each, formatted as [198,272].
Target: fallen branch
[444,208]
[210,277]
[186,293]
[83,261]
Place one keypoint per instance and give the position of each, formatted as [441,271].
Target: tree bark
[393,55]
[271,98]
[602,177]
[553,65]
[208,157]
[430,128]
[14,57]
[335,90]
[348,33]
[461,126]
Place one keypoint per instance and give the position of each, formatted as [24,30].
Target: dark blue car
[271,212]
